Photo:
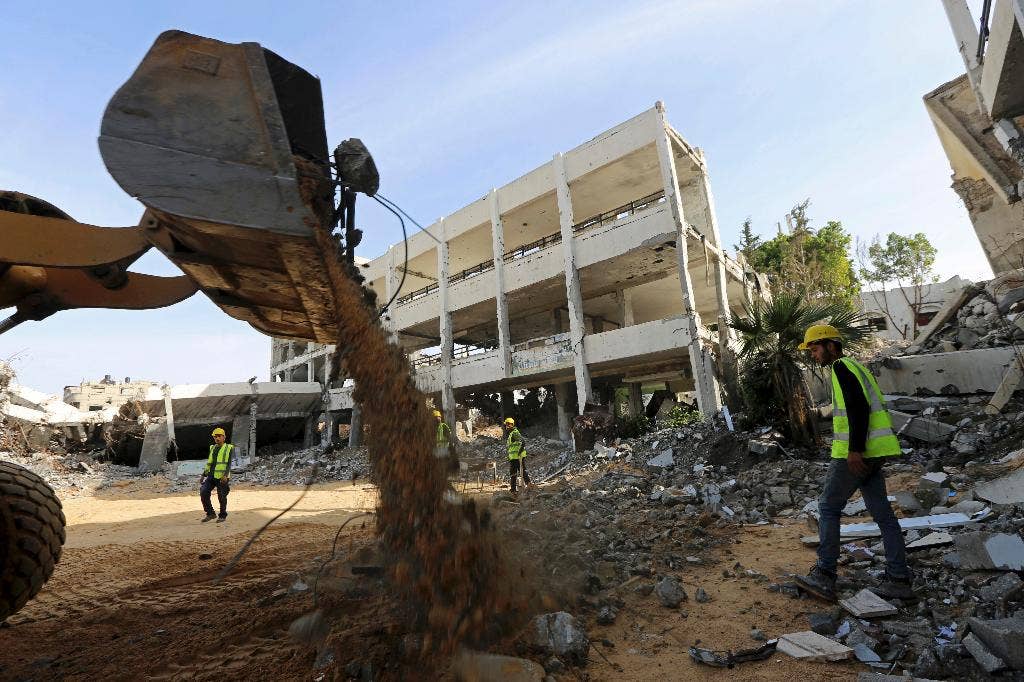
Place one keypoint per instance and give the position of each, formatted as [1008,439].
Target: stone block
[933,479]
[987,551]
[866,604]
[810,646]
[763,448]
[190,468]
[988,661]
[1003,636]
[659,464]
[1006,490]
[931,540]
[560,634]
[1002,588]
[780,495]
[476,666]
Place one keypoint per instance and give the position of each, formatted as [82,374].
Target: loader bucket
[222,143]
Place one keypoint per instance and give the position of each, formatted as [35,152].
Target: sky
[789,99]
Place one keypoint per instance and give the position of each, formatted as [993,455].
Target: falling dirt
[444,555]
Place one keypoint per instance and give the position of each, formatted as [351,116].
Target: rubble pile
[990,316]
[346,464]
[71,474]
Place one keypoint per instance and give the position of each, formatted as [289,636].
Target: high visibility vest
[220,465]
[516,448]
[443,434]
[881,440]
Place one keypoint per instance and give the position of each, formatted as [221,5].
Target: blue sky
[790,100]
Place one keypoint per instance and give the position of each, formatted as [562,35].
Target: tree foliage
[904,262]
[805,261]
[771,376]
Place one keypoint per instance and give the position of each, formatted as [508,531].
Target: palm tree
[772,364]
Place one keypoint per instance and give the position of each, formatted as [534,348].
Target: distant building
[892,313]
[93,396]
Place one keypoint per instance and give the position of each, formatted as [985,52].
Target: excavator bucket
[225,146]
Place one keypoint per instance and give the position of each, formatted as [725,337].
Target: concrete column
[327,367]
[445,316]
[508,402]
[240,435]
[391,281]
[498,250]
[310,371]
[289,353]
[564,426]
[708,399]
[169,410]
[624,297]
[253,409]
[355,434]
[584,391]
[707,206]
[636,399]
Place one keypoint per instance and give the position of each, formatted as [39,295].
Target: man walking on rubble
[516,447]
[216,475]
[862,441]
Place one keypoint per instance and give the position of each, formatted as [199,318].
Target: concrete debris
[1002,588]
[1006,490]
[728,659]
[876,677]
[763,448]
[658,465]
[857,507]
[870,530]
[935,479]
[988,661]
[866,604]
[930,541]
[921,428]
[1004,637]
[561,634]
[810,646]
[985,551]
[1006,289]
[864,654]
[476,666]
[669,592]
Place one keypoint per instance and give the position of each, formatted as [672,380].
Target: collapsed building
[570,276]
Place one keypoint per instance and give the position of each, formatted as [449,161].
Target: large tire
[31,536]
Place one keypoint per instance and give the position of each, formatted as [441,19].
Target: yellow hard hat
[509,421]
[437,413]
[219,432]
[819,332]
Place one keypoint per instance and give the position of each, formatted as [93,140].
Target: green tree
[749,241]
[904,262]
[808,262]
[771,377]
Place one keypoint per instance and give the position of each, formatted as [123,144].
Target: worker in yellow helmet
[516,448]
[216,475]
[863,440]
[444,435]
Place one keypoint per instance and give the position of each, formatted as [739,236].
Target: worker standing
[443,441]
[863,440]
[216,474]
[516,447]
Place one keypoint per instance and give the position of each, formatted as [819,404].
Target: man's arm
[856,406]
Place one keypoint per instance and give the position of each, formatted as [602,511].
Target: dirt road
[135,597]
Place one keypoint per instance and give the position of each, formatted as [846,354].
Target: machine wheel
[31,536]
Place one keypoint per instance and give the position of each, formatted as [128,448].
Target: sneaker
[210,517]
[818,583]
[895,588]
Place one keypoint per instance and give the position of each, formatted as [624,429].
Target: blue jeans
[223,488]
[840,484]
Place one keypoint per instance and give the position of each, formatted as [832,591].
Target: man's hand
[855,460]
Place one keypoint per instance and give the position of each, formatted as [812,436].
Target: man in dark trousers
[516,447]
[863,440]
[216,475]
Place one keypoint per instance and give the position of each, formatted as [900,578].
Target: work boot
[818,583]
[222,519]
[895,588]
[209,517]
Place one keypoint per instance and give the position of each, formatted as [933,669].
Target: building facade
[93,396]
[603,265]
[895,313]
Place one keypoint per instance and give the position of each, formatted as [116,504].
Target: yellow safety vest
[443,434]
[516,449]
[881,440]
[220,468]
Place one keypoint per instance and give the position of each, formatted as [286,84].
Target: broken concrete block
[907,502]
[560,634]
[989,662]
[1006,490]
[866,604]
[780,495]
[870,530]
[190,468]
[920,427]
[1003,636]
[933,479]
[659,464]
[670,593]
[986,551]
[810,646]
[476,666]
[764,448]
[931,540]
[1005,586]
[967,507]
[865,654]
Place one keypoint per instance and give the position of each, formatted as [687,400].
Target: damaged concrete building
[978,118]
[568,275]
